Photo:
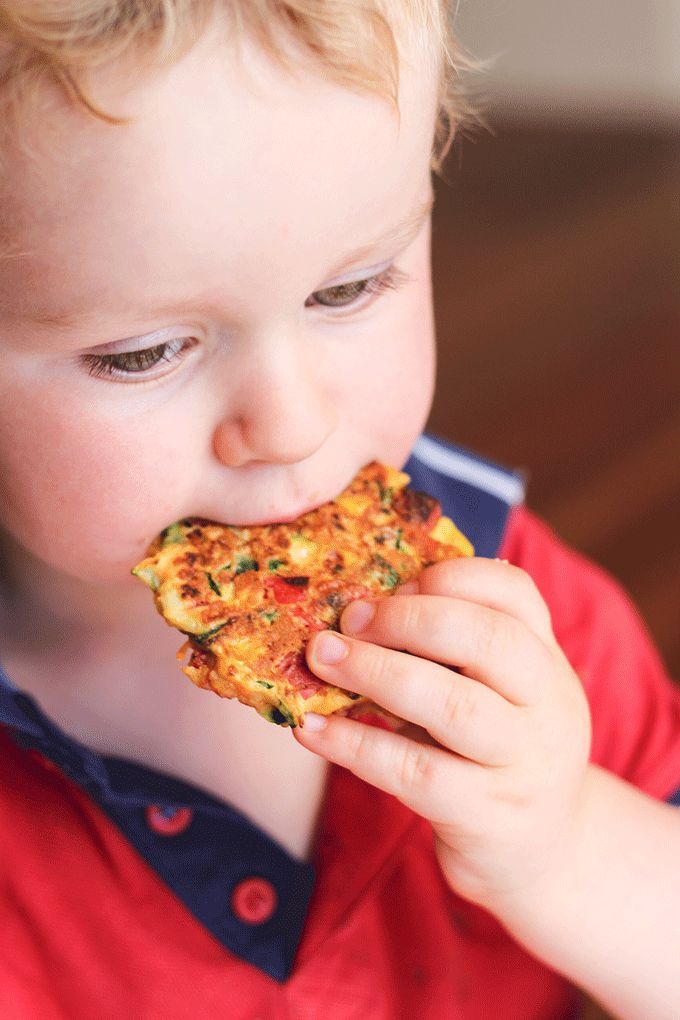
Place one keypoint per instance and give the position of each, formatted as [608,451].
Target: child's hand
[494,756]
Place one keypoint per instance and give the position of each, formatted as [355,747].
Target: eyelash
[390,279]
[140,363]
[137,363]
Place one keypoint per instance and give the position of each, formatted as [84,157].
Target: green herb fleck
[205,637]
[244,563]
[281,716]
[173,535]
[213,584]
[391,578]
[264,683]
[269,615]
[397,544]
[386,495]
[275,564]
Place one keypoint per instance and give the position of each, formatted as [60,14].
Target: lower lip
[289,518]
[278,519]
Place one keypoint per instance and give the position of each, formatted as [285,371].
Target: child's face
[223,233]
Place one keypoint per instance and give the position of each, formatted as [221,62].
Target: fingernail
[357,616]
[330,649]
[410,588]
[314,723]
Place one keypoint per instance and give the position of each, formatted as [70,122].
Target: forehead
[223,166]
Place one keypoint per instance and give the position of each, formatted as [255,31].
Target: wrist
[605,914]
[554,897]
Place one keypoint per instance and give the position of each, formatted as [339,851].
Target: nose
[281,413]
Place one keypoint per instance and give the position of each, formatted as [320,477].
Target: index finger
[494,584]
[485,644]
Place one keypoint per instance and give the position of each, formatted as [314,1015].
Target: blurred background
[556,252]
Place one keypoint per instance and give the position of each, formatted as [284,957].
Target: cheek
[397,376]
[414,359]
[415,378]
[87,495]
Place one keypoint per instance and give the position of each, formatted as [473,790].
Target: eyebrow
[395,239]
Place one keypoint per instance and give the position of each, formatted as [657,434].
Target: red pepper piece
[432,518]
[295,669]
[310,620]
[285,593]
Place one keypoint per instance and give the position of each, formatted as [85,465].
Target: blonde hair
[357,42]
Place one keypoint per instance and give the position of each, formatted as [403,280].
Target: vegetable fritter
[249,598]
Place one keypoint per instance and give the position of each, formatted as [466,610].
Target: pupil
[343,294]
[138,361]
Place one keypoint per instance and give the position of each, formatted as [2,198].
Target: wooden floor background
[556,274]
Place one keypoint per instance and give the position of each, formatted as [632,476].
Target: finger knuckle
[361,749]
[375,666]
[417,769]
[459,709]
[495,635]
[403,616]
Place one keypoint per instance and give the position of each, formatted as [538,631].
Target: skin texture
[234,195]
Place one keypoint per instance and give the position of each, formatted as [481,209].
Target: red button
[168,821]
[254,900]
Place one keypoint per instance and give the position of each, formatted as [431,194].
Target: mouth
[286,517]
[266,515]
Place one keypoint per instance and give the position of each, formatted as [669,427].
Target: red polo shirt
[89,929]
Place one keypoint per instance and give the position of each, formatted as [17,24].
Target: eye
[138,363]
[357,292]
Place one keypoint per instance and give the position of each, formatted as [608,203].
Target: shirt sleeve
[635,707]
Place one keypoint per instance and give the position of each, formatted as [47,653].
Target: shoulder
[635,706]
